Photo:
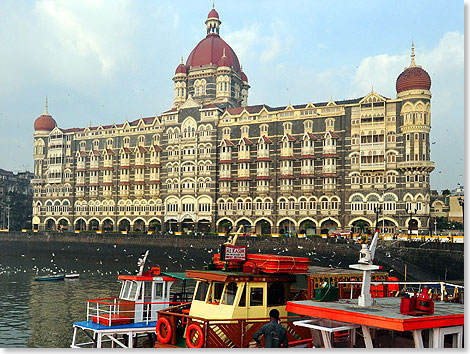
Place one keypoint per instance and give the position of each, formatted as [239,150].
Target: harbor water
[39,314]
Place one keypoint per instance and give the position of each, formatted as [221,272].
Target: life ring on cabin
[200,336]
[167,331]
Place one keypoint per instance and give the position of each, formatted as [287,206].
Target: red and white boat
[120,321]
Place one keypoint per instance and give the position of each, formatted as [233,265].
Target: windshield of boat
[215,292]
[230,291]
[201,291]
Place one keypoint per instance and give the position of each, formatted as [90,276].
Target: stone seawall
[425,261]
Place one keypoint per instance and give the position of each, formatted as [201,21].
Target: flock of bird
[170,260]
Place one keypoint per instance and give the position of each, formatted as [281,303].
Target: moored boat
[120,321]
[50,277]
[232,300]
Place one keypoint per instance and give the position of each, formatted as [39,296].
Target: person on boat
[275,335]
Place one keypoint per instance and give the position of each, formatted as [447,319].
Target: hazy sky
[106,61]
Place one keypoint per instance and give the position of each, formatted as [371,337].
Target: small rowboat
[50,277]
[72,276]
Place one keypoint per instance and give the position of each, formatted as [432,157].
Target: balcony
[328,150]
[287,188]
[225,190]
[329,169]
[243,189]
[108,164]
[262,189]
[226,156]
[307,152]
[373,166]
[287,171]
[429,165]
[243,173]
[81,165]
[263,154]
[329,187]
[307,188]
[262,172]
[310,170]
[37,180]
[139,192]
[191,157]
[243,155]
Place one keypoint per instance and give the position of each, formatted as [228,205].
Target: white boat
[72,276]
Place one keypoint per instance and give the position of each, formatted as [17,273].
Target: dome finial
[412,53]
[213,4]
[45,108]
[181,59]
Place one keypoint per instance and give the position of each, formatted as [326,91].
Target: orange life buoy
[200,338]
[167,333]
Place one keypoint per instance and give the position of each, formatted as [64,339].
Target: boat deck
[384,314]
[124,328]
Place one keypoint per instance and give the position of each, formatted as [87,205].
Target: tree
[445,192]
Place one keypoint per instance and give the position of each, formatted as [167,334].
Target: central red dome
[413,78]
[210,50]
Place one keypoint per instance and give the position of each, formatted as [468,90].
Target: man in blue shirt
[275,335]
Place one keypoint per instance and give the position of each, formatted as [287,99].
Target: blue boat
[51,277]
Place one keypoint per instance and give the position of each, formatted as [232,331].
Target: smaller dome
[413,78]
[213,14]
[181,69]
[44,123]
[244,77]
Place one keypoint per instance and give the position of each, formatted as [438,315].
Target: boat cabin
[237,295]
[143,295]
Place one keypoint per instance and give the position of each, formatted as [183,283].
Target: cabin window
[126,288]
[157,290]
[229,294]
[147,290]
[256,297]
[216,292]
[276,294]
[242,302]
[201,291]
[133,291]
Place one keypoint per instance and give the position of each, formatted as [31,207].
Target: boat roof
[147,278]
[317,270]
[177,275]
[237,276]
[385,314]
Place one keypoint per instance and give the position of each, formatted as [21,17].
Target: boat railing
[231,332]
[113,309]
[392,288]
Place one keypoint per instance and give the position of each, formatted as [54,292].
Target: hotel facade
[213,162]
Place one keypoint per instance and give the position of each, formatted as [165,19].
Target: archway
[387,226]
[361,226]
[139,225]
[413,226]
[329,226]
[63,224]
[263,227]
[188,226]
[155,225]
[108,225]
[50,224]
[171,225]
[124,225]
[80,225]
[307,227]
[204,226]
[225,226]
[246,225]
[93,225]
[287,227]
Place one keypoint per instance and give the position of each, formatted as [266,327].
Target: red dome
[44,122]
[413,78]
[181,69]
[210,50]
[244,77]
[213,14]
